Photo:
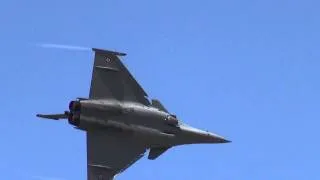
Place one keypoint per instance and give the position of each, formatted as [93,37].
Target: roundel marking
[108,59]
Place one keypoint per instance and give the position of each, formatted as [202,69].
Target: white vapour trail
[63,46]
[46,178]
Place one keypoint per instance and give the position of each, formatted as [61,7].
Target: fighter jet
[121,123]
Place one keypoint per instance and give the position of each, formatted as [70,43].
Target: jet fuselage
[147,123]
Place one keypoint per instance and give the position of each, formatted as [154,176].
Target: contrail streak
[46,178]
[63,46]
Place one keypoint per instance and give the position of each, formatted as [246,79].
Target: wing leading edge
[111,79]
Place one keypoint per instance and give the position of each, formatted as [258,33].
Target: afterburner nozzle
[74,106]
[74,119]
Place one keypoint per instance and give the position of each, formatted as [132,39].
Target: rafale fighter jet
[121,123]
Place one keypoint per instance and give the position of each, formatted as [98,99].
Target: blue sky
[247,70]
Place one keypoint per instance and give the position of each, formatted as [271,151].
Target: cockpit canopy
[172,119]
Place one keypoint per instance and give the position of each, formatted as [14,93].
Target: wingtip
[45,117]
[40,116]
[108,52]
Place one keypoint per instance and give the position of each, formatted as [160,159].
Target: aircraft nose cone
[218,139]
[225,141]
[199,136]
